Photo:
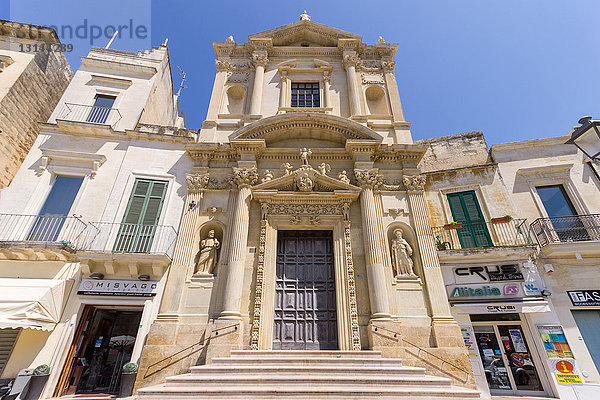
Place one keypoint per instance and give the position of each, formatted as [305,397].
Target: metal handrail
[201,342]
[509,233]
[90,113]
[396,334]
[573,228]
[28,228]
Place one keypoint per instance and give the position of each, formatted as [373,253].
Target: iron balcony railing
[576,228]
[512,232]
[129,238]
[92,114]
[41,229]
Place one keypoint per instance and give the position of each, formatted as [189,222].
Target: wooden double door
[305,299]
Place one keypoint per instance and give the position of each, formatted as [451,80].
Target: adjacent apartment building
[32,80]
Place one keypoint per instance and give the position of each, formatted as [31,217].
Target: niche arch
[201,233]
[409,234]
[233,101]
[376,100]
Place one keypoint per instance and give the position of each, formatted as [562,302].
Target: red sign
[564,367]
[517,360]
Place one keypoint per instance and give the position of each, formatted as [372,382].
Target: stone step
[262,354]
[295,369]
[163,392]
[302,380]
[299,360]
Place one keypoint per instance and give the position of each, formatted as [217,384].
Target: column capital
[388,65]
[369,178]
[351,60]
[223,65]
[414,182]
[244,177]
[327,76]
[197,182]
[260,58]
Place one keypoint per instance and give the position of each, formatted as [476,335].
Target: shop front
[499,308]
[107,335]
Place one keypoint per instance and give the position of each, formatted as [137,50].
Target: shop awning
[31,303]
[505,307]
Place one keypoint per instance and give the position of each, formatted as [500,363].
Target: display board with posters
[560,355]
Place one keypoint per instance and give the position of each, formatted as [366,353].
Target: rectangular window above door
[141,216]
[305,94]
[101,108]
[465,209]
[52,216]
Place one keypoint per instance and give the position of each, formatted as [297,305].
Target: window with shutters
[141,216]
[465,209]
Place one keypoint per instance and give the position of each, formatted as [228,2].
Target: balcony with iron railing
[578,230]
[500,233]
[89,113]
[107,237]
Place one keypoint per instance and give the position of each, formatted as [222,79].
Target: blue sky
[513,69]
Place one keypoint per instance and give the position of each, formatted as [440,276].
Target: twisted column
[260,61]
[378,293]
[244,178]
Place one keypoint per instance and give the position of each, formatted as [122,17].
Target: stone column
[369,179]
[283,92]
[223,69]
[326,89]
[392,86]
[260,61]
[351,60]
[445,329]
[183,257]
[234,280]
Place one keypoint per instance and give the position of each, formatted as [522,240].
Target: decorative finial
[230,40]
[304,16]
[380,40]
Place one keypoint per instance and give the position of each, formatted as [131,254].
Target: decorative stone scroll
[415,182]
[304,209]
[388,65]
[197,182]
[369,178]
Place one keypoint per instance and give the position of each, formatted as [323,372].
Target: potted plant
[502,220]
[453,225]
[128,379]
[37,382]
[442,244]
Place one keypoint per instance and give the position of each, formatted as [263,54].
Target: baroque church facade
[305,225]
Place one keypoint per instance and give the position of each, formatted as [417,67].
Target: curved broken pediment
[306,125]
[306,179]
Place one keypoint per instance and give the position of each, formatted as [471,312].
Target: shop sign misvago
[117,287]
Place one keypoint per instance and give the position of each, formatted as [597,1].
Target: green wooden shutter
[141,216]
[465,209]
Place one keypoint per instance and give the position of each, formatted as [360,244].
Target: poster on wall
[555,341]
[467,334]
[518,341]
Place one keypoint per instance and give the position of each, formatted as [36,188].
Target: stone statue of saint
[401,255]
[304,153]
[208,254]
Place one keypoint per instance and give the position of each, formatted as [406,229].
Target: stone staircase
[292,374]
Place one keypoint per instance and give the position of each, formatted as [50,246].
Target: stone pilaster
[244,178]
[283,93]
[183,256]
[390,81]
[351,60]
[445,329]
[260,61]
[326,89]
[370,179]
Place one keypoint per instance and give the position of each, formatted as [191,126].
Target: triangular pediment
[303,32]
[306,125]
[306,179]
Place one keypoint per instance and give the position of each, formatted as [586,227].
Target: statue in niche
[208,254]
[401,255]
